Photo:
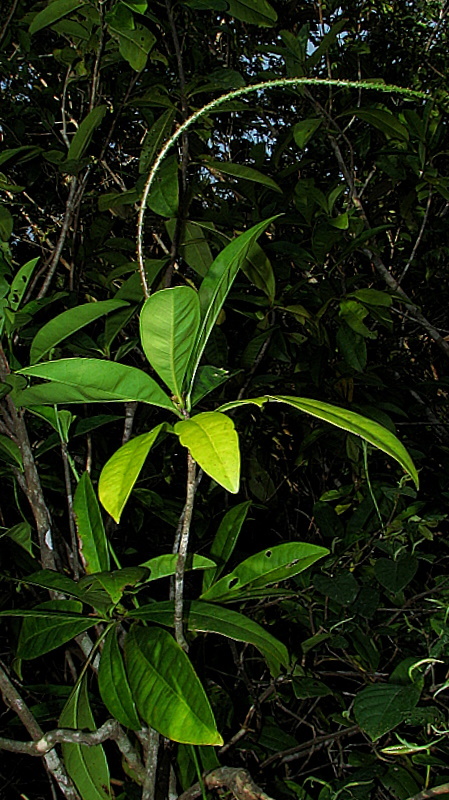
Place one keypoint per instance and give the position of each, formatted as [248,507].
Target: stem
[152,749]
[182,552]
[255,87]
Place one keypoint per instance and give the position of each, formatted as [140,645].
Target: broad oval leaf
[256,12]
[61,622]
[210,618]
[87,766]
[366,428]
[69,322]
[114,582]
[383,120]
[166,689]
[155,139]
[379,708]
[120,473]
[213,442]
[164,195]
[169,323]
[268,566]
[396,575]
[89,524]
[91,380]
[113,684]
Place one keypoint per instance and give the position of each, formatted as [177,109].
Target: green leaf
[49,579]
[164,195]
[10,452]
[114,582]
[54,11]
[373,297]
[87,766]
[210,618]
[193,245]
[92,539]
[6,223]
[90,380]
[352,347]
[260,570]
[380,708]
[165,565]
[120,473]
[69,322]
[60,623]
[225,540]
[21,535]
[353,314]
[304,130]
[206,380]
[113,684]
[82,137]
[20,283]
[325,43]
[396,575]
[256,12]
[241,172]
[155,138]
[216,285]
[166,690]
[384,120]
[366,428]
[257,268]
[169,322]
[213,442]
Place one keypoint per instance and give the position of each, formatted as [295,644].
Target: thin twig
[418,238]
[428,794]
[182,553]
[296,752]
[8,19]
[54,261]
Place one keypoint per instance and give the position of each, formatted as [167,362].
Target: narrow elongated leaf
[383,120]
[325,43]
[69,322]
[90,380]
[165,565]
[49,579]
[10,452]
[54,11]
[217,283]
[82,137]
[113,684]
[242,172]
[193,245]
[378,709]
[61,622]
[87,766]
[89,524]
[268,566]
[257,268]
[155,138]
[120,473]
[20,283]
[213,442]
[225,540]
[366,428]
[166,689]
[169,323]
[210,618]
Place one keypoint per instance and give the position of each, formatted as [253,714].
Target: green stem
[255,87]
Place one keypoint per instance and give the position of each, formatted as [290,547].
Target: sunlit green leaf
[212,440]
[167,691]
